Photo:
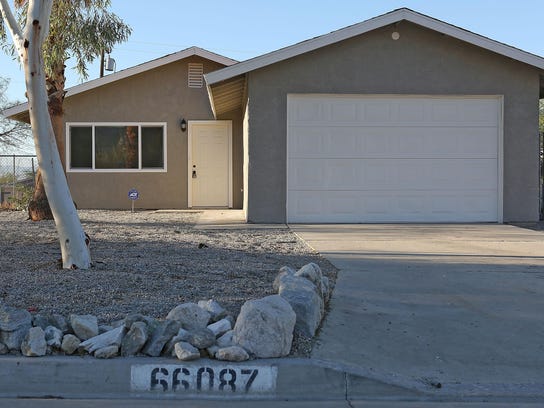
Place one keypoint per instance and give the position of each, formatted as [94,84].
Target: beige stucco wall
[158,95]
[420,62]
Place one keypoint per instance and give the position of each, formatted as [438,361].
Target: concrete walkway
[458,309]
[210,219]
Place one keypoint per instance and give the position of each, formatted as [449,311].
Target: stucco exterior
[157,95]
[420,62]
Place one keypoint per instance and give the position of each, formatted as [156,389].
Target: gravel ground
[146,262]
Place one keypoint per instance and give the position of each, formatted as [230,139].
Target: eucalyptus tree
[28,41]
[81,30]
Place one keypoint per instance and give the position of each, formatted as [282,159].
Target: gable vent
[196,75]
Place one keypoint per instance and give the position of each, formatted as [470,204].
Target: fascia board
[369,25]
[149,66]
[146,66]
[295,50]
[14,110]
[477,39]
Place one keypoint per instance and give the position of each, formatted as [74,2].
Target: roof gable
[370,25]
[15,112]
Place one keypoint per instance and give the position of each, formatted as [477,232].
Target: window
[119,147]
[196,75]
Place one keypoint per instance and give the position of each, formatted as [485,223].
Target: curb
[164,378]
[161,378]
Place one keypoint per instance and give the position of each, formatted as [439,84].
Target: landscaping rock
[84,326]
[306,300]
[326,289]
[55,320]
[107,352]
[265,327]
[226,339]
[160,336]
[14,325]
[186,352]
[42,321]
[53,337]
[190,315]
[70,343]
[3,349]
[104,328]
[313,273]
[232,353]
[34,344]
[182,335]
[135,339]
[212,350]
[216,311]
[137,317]
[284,272]
[201,338]
[111,338]
[220,327]
[60,322]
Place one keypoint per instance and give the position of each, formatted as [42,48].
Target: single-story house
[400,118]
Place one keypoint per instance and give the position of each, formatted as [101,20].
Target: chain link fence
[17,178]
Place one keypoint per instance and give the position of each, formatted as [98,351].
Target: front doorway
[210,164]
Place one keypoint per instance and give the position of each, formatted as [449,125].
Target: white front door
[210,164]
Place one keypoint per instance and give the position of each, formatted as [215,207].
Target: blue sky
[243,29]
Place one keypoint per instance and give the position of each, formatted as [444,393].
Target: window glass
[116,147]
[152,147]
[81,145]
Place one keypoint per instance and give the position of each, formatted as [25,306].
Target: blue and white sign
[133,194]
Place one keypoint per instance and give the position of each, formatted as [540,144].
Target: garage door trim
[293,98]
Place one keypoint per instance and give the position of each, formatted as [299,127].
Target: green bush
[22,198]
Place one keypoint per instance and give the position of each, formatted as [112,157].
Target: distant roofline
[146,66]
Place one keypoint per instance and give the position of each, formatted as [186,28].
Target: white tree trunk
[73,243]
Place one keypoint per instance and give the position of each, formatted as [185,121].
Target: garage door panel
[391,174]
[381,111]
[324,174]
[381,206]
[407,142]
[392,159]
[346,111]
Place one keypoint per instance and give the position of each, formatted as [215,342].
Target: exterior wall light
[183,125]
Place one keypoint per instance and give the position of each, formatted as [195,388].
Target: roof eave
[369,25]
[16,110]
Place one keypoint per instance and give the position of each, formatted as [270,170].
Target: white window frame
[93,126]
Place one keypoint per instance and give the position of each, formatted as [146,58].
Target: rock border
[264,328]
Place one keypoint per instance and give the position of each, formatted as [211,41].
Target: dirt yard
[146,262]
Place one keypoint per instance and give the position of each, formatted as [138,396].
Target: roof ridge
[383,20]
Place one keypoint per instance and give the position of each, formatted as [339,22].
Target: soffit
[228,95]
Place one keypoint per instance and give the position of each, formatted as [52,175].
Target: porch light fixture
[183,125]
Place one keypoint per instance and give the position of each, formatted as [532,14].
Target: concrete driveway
[458,309]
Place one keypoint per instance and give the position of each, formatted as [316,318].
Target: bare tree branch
[12,133]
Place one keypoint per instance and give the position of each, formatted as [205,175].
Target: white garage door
[393,159]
